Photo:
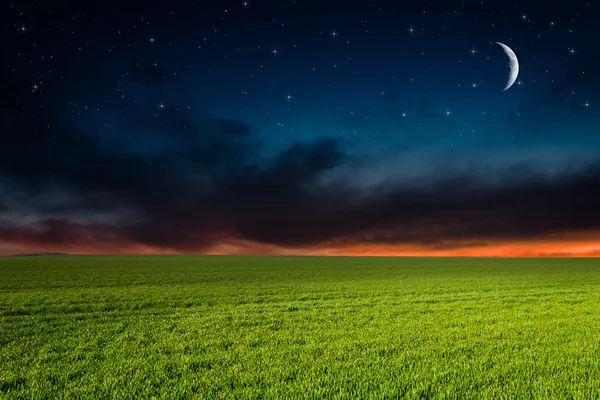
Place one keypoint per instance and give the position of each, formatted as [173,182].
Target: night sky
[299,127]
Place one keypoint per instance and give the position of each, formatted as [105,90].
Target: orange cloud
[575,244]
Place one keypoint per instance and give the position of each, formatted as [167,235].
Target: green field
[299,327]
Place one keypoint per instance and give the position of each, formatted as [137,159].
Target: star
[245,4]
[152,40]
[473,51]
[524,17]
[448,113]
[334,33]
[35,87]
[519,83]
[275,52]
[474,85]
[162,106]
[572,50]
[289,97]
[587,104]
[411,29]
[552,23]
[23,29]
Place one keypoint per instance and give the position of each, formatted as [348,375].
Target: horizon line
[66,254]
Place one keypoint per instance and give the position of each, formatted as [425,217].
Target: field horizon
[336,327]
[61,254]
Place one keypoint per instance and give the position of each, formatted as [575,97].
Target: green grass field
[299,327]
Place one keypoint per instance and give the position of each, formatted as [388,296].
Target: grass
[299,327]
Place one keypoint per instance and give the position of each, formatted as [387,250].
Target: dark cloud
[453,210]
[52,233]
[201,184]
[206,180]
[223,191]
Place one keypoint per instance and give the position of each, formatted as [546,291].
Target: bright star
[572,50]
[289,97]
[411,30]
[473,51]
[334,33]
[151,40]
[35,87]
[587,104]
[23,29]
[275,52]
[162,106]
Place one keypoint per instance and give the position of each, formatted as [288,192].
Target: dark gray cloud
[211,183]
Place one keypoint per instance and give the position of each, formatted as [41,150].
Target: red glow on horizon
[577,245]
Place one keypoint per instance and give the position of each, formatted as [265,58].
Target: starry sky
[299,127]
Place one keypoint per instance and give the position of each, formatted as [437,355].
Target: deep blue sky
[185,126]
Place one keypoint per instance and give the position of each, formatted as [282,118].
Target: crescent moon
[514,65]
